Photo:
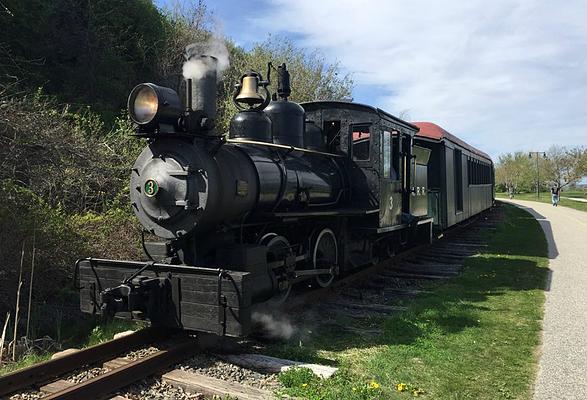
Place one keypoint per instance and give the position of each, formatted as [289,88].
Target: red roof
[432,131]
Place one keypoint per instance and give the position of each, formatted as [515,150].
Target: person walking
[555,191]
[511,192]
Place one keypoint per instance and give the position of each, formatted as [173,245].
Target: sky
[502,75]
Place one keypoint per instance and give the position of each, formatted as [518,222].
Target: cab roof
[314,105]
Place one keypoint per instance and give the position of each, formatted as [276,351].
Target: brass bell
[248,90]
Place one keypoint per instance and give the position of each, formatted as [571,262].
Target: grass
[474,337]
[100,333]
[545,198]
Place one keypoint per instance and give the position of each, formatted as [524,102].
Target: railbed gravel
[27,395]
[215,367]
[141,353]
[154,389]
[84,374]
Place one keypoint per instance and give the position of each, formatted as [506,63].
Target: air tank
[287,122]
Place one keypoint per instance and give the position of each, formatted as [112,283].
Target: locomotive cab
[388,180]
[388,175]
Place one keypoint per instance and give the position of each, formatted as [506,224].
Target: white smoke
[276,327]
[196,67]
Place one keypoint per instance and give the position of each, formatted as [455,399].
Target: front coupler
[144,298]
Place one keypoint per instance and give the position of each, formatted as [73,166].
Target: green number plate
[151,187]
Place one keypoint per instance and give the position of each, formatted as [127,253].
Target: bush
[65,157]
[27,218]
[63,188]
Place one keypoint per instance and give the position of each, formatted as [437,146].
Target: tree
[514,172]
[187,22]
[85,52]
[564,166]
[312,78]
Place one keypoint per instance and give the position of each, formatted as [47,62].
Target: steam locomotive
[295,193]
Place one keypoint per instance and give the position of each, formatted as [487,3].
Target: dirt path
[563,365]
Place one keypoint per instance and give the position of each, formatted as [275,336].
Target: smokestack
[203,84]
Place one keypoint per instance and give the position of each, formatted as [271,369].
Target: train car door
[419,182]
[390,184]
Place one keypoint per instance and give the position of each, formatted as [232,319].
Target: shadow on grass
[546,228]
[451,308]
[513,262]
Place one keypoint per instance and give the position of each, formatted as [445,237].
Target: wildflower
[374,385]
[417,392]
[401,387]
[304,385]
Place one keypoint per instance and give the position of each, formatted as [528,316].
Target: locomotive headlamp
[149,104]
[145,105]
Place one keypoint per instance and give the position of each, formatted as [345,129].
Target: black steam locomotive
[295,193]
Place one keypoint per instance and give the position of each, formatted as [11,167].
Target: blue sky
[503,75]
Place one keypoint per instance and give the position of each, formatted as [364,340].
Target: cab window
[386,154]
[361,140]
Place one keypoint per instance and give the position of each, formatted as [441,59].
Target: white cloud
[503,75]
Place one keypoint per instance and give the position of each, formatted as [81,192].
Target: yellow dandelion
[401,387]
[374,385]
[304,385]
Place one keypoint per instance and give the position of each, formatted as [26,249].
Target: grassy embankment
[546,198]
[473,337]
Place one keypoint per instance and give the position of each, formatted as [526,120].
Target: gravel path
[563,366]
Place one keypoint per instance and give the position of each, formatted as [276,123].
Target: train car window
[395,148]
[485,174]
[458,167]
[386,154]
[361,140]
[469,171]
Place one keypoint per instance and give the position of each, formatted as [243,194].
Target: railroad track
[45,375]
[179,366]
[103,385]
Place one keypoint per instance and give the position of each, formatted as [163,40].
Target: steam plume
[196,67]
[275,327]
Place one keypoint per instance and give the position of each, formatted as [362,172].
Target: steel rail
[47,370]
[104,385]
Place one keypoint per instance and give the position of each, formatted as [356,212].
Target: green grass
[546,198]
[474,337]
[100,333]
[24,362]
